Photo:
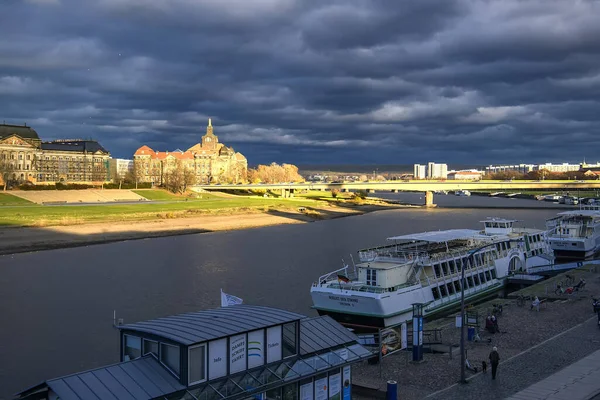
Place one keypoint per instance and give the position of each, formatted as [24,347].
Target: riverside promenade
[536,367]
[532,345]
[578,381]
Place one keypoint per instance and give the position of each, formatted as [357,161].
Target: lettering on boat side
[345,301]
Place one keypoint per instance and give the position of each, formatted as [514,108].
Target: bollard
[392,390]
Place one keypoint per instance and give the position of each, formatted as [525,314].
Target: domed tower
[209,140]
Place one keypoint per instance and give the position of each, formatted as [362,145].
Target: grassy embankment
[10,200]
[173,207]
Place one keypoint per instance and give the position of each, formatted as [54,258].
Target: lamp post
[470,254]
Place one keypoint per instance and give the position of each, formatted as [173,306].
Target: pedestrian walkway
[578,381]
[518,373]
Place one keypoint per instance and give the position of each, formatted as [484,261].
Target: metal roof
[140,379]
[439,236]
[91,146]
[206,325]
[581,213]
[26,132]
[321,333]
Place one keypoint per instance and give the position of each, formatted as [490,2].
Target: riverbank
[522,331]
[25,239]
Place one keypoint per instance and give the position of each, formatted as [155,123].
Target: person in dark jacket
[494,360]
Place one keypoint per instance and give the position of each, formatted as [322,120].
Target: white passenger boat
[575,234]
[426,268]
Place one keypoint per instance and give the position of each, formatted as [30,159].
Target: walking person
[494,360]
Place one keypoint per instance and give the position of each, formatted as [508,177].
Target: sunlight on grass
[10,200]
[69,215]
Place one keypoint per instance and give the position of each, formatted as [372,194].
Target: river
[56,306]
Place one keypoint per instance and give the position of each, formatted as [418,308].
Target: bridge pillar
[283,193]
[394,190]
[322,189]
[429,199]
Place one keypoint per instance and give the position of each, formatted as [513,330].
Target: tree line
[537,175]
[274,173]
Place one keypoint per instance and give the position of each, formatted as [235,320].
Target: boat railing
[345,271]
[392,254]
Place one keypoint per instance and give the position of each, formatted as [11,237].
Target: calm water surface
[56,306]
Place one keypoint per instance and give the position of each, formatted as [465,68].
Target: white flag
[229,300]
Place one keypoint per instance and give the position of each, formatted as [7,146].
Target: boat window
[482,277]
[476,280]
[132,347]
[470,281]
[450,288]
[436,270]
[371,277]
[452,266]
[457,286]
[169,356]
[197,364]
[493,273]
[150,347]
[436,293]
[290,347]
[443,290]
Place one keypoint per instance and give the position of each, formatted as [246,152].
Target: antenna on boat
[353,263]
[116,322]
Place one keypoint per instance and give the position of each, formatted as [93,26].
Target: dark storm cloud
[353,81]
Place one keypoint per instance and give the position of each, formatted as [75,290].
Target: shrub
[360,194]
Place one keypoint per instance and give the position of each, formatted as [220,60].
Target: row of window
[5,156]
[240,352]
[454,266]
[444,290]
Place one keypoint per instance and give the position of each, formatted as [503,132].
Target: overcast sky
[310,81]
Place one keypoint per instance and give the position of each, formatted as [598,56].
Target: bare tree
[188,177]
[6,168]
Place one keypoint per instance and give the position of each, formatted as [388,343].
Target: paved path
[523,370]
[578,381]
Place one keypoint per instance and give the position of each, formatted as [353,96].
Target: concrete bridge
[427,186]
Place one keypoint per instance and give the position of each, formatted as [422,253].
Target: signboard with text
[237,353]
[217,359]
[274,344]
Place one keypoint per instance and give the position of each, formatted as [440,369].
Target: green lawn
[10,200]
[68,215]
[158,195]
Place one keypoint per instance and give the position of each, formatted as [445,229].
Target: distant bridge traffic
[427,186]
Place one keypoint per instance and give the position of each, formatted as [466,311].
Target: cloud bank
[307,81]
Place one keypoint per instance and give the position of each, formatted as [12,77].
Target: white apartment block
[419,171]
[437,171]
[430,171]
[522,168]
[564,167]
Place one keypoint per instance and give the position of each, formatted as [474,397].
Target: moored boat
[426,268]
[575,234]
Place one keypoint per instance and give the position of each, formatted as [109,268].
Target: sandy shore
[23,239]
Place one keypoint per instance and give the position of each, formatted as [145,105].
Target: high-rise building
[437,171]
[420,171]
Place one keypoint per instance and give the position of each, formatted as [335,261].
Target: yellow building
[20,147]
[24,157]
[209,161]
